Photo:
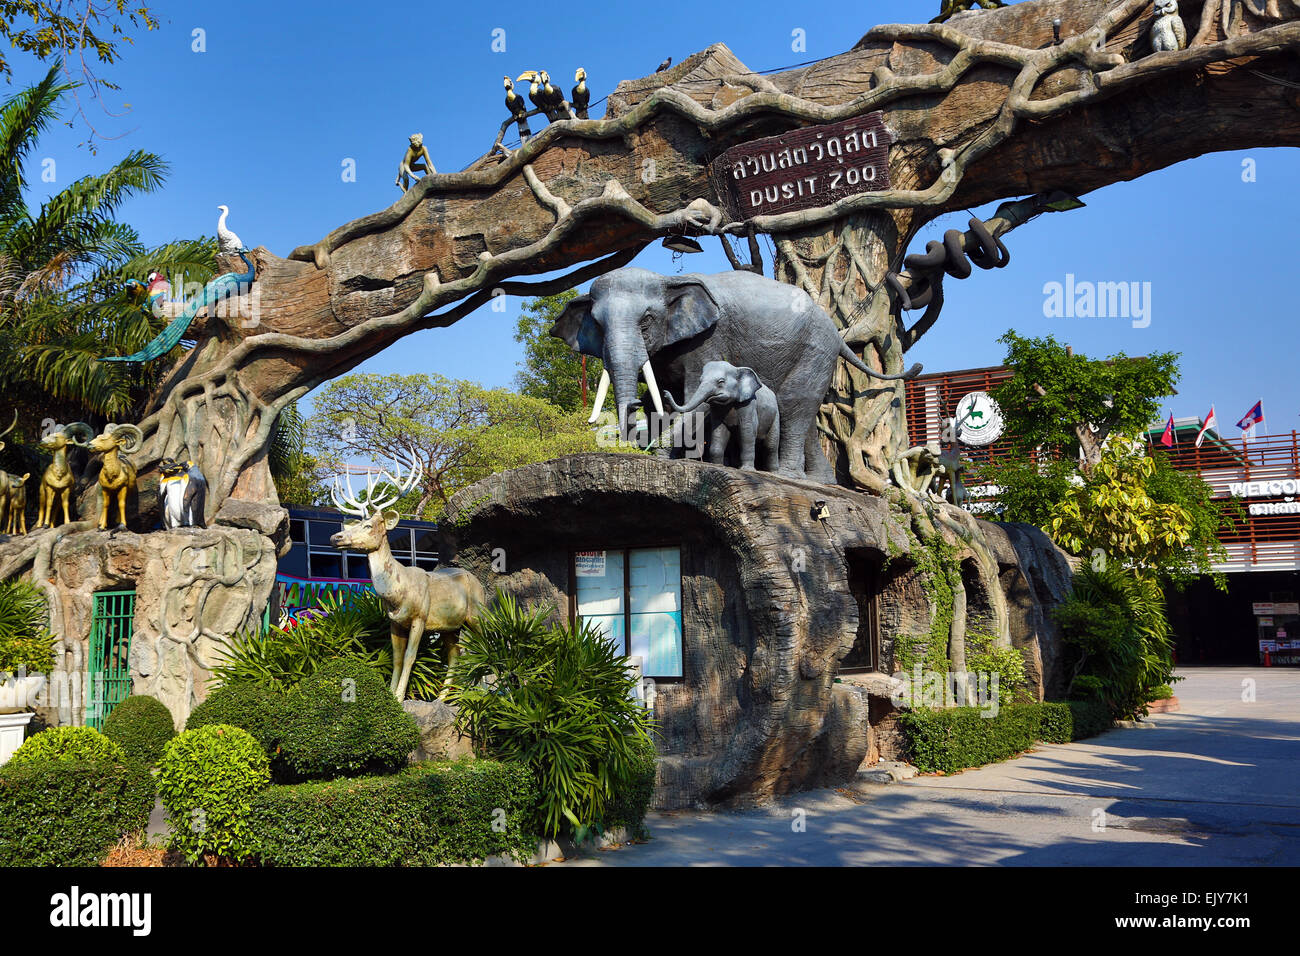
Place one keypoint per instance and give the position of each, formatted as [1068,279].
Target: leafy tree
[63,272]
[298,475]
[1136,509]
[43,29]
[1068,404]
[1111,512]
[458,430]
[551,370]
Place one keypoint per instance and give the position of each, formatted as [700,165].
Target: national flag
[1252,417]
[1210,422]
[1167,439]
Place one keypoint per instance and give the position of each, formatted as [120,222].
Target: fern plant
[556,697]
[345,626]
[1116,621]
[25,641]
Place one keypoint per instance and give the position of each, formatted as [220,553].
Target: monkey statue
[916,469]
[1167,30]
[184,494]
[951,7]
[949,467]
[416,160]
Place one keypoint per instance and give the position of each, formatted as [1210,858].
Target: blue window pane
[657,640]
[655,602]
[611,625]
[295,562]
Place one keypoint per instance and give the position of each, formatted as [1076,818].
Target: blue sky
[285,92]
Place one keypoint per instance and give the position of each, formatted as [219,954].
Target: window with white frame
[635,597]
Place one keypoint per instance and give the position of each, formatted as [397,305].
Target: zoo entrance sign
[804,168]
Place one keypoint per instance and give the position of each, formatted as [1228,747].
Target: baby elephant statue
[415,600]
[739,402]
[184,493]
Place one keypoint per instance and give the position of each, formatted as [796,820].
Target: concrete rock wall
[767,604]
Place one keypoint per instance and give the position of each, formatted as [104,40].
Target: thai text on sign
[804,168]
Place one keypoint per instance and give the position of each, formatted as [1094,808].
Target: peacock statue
[222,287]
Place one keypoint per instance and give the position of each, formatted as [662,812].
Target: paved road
[1217,783]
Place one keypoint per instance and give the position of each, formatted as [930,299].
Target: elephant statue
[665,329]
[738,402]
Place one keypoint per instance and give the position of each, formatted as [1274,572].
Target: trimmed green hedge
[67,743]
[343,721]
[69,812]
[207,779]
[428,814]
[259,710]
[1065,721]
[141,726]
[958,738]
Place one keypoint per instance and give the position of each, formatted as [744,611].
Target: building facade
[1257,480]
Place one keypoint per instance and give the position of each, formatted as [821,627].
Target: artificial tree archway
[984,107]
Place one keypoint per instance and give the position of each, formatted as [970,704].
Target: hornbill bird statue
[518,109]
[580,98]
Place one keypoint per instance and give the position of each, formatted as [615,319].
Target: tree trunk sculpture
[983,107]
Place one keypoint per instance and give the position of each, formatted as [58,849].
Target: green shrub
[207,780]
[346,626]
[627,808]
[141,726]
[1086,687]
[1066,721]
[984,656]
[1162,692]
[25,641]
[428,814]
[343,721]
[252,707]
[1115,620]
[956,738]
[69,811]
[68,743]
[556,698]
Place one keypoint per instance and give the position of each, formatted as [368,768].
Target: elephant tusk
[650,382]
[601,391]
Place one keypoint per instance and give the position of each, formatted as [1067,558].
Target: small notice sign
[1262,608]
[804,168]
[589,564]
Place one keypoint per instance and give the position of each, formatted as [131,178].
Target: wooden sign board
[804,168]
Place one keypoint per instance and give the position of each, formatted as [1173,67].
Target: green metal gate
[108,669]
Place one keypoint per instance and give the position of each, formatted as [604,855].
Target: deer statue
[57,481]
[415,600]
[17,504]
[117,476]
[6,504]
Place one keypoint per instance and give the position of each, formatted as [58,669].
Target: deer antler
[348,502]
[9,429]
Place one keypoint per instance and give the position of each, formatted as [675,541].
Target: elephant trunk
[699,398]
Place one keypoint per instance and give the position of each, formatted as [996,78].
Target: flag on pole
[1210,422]
[1167,439]
[1252,417]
